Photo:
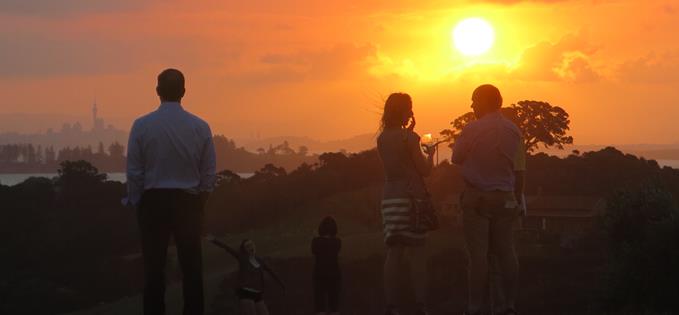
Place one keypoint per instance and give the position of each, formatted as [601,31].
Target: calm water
[13,179]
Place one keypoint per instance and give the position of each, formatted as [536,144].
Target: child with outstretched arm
[250,288]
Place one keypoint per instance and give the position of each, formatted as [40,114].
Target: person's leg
[154,224]
[417,257]
[334,291]
[320,294]
[476,230]
[496,299]
[187,235]
[508,263]
[247,307]
[261,308]
[393,267]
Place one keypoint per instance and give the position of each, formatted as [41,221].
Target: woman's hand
[411,126]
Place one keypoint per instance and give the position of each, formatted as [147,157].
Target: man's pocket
[495,204]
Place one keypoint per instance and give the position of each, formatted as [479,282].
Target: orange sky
[322,68]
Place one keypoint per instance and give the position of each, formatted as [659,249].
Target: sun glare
[473,36]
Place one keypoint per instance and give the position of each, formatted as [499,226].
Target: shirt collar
[170,105]
[492,115]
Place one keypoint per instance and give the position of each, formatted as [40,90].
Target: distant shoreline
[11,179]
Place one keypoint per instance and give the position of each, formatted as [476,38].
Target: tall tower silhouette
[94,115]
[97,123]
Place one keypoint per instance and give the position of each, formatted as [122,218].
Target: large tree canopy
[540,122]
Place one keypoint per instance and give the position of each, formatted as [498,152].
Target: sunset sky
[322,68]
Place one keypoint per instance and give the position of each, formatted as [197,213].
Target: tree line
[21,158]
[28,158]
[71,234]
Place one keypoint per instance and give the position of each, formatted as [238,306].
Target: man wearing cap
[492,159]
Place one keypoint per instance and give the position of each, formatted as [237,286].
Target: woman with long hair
[250,288]
[404,166]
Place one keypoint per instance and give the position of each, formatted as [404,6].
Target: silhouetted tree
[303,150]
[540,122]
[50,155]
[40,155]
[100,149]
[81,172]
[227,177]
[269,171]
[643,232]
[116,150]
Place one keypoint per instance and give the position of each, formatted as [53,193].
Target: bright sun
[473,36]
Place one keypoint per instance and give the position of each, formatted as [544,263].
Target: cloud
[669,9]
[35,55]
[485,73]
[652,69]
[336,63]
[566,60]
[60,8]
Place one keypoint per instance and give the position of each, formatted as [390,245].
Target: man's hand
[429,149]
[522,205]
[203,195]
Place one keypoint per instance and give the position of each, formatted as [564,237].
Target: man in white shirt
[492,159]
[171,168]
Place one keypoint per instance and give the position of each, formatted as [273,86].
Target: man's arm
[519,185]
[135,166]
[520,175]
[461,147]
[208,166]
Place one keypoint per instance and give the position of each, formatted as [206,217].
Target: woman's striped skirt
[398,223]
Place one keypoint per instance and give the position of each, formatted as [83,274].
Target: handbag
[423,213]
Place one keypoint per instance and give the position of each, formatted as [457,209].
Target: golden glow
[427,139]
[473,36]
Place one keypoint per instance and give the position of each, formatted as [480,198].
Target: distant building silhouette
[71,134]
[97,123]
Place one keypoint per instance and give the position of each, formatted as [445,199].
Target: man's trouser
[163,213]
[488,219]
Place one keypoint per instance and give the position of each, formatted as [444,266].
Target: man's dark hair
[328,227]
[171,85]
[490,94]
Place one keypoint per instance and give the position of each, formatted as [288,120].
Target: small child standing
[327,277]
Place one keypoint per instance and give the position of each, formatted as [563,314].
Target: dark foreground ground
[552,282]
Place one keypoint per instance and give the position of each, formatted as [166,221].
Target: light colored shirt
[520,157]
[487,150]
[404,163]
[169,148]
